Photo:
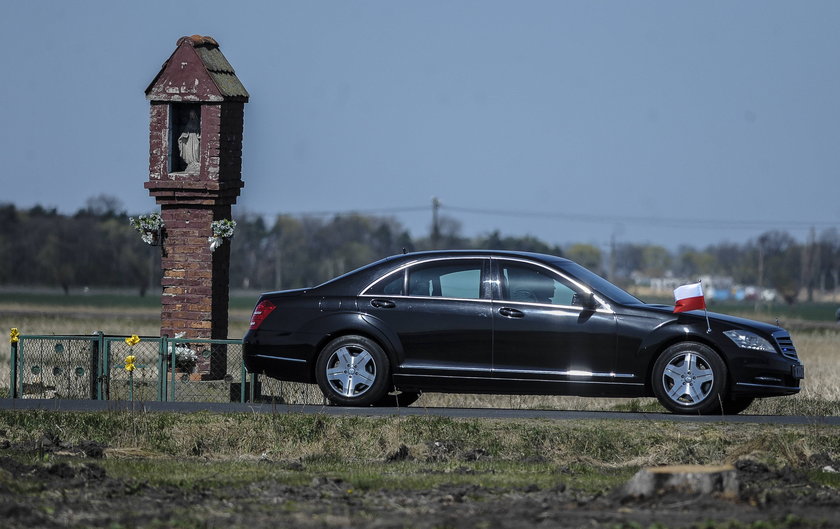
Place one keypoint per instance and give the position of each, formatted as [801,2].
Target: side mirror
[586,301]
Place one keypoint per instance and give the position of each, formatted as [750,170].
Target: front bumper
[767,374]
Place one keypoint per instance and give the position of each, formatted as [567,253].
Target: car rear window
[446,279]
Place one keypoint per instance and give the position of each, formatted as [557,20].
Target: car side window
[390,286]
[448,280]
[530,284]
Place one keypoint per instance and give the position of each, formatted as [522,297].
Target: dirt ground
[77,492]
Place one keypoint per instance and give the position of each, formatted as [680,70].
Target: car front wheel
[353,371]
[690,377]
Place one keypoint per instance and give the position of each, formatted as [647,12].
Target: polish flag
[689,297]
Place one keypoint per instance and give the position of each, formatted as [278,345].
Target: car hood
[731,321]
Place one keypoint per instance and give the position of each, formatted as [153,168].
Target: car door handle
[383,303]
[511,313]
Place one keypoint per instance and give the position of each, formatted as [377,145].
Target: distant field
[813,312]
[121,300]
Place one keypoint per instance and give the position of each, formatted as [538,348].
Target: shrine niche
[185,138]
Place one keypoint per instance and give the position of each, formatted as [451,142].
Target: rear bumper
[290,369]
[281,362]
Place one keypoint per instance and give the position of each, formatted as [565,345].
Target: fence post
[253,390]
[20,359]
[95,368]
[13,389]
[171,352]
[243,382]
[105,367]
[163,362]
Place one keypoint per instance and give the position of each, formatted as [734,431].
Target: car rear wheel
[690,377]
[353,371]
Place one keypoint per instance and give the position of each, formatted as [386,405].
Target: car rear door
[439,310]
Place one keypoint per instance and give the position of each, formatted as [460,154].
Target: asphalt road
[486,413]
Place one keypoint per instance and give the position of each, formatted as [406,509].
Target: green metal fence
[129,368]
[61,367]
[143,368]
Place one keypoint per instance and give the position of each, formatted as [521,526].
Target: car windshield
[599,283]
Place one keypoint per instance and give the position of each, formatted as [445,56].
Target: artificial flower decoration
[129,363]
[185,357]
[149,226]
[14,335]
[132,340]
[222,229]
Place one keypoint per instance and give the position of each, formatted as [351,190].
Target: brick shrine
[195,174]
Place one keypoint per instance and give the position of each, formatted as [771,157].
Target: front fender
[670,333]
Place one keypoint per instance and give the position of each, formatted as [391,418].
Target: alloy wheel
[688,378]
[351,371]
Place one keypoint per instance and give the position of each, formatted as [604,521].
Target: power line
[595,218]
[673,222]
[336,213]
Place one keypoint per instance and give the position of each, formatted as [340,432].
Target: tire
[353,371]
[398,400]
[690,378]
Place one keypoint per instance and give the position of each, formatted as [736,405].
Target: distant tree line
[96,247]
[775,259]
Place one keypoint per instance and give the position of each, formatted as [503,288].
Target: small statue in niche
[189,143]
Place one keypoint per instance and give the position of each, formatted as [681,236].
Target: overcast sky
[663,122]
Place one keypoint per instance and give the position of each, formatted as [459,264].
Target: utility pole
[760,273]
[435,223]
[810,259]
[278,263]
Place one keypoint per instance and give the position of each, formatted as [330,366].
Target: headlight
[749,340]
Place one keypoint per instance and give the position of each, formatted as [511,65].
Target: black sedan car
[510,323]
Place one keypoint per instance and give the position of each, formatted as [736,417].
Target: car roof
[482,253]
[363,276]
[367,274]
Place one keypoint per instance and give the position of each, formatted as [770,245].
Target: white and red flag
[689,297]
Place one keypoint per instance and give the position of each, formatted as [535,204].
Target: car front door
[543,333]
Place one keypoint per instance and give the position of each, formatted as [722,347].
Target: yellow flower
[129,363]
[14,335]
[129,367]
[132,340]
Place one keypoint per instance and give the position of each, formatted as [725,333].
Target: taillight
[261,312]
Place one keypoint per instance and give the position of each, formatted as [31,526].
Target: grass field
[346,445]
[294,470]
[50,313]
[239,301]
